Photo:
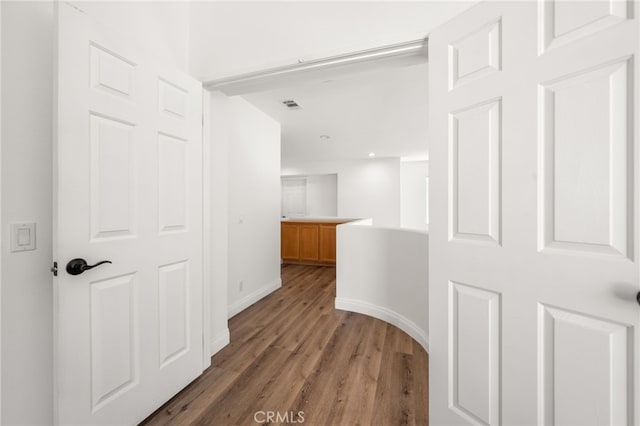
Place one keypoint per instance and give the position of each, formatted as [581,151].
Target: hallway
[293,355]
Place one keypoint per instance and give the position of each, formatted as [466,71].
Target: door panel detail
[474,133]
[475,55]
[172,99]
[562,22]
[474,348]
[585,151]
[113,212]
[114,339]
[571,344]
[173,283]
[111,72]
[172,158]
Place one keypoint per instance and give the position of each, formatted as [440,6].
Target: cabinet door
[289,246]
[309,242]
[327,243]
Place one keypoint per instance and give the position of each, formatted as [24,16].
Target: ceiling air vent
[291,104]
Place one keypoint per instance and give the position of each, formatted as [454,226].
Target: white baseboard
[252,298]
[387,315]
[219,342]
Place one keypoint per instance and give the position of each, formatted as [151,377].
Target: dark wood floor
[293,352]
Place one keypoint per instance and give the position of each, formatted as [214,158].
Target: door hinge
[54,269]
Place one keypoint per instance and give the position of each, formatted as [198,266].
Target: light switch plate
[23,236]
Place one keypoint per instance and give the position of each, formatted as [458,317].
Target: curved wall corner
[383,273]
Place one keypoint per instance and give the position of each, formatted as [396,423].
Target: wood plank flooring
[293,352]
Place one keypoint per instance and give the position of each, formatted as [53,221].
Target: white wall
[371,189]
[27,333]
[413,194]
[245,209]
[366,188]
[283,32]
[27,78]
[383,273]
[322,195]
[254,204]
[219,202]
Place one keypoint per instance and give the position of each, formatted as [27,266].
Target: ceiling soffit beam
[408,52]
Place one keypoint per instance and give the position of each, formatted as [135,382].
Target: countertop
[323,219]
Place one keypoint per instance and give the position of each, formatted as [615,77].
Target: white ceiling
[382,111]
[229,38]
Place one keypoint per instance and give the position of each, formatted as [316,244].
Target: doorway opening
[364,124]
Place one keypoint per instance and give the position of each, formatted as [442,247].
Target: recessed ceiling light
[372,154]
[325,137]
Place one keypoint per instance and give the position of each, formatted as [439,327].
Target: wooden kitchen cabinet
[289,241]
[327,243]
[309,242]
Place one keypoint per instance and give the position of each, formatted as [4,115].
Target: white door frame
[410,52]
[0,216]
[206,229]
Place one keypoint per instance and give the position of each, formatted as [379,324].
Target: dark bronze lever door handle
[78,266]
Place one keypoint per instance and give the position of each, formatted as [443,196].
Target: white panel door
[534,198]
[128,189]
